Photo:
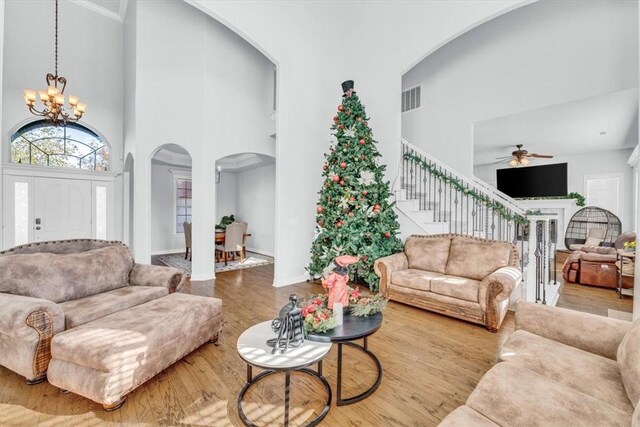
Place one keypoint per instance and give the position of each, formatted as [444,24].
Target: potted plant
[630,246]
[226,220]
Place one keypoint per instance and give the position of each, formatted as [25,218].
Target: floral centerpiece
[630,246]
[319,318]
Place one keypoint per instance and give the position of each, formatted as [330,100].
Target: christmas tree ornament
[343,165]
[361,141]
[340,107]
[335,119]
[336,178]
[365,192]
[319,209]
[325,167]
[387,234]
[358,119]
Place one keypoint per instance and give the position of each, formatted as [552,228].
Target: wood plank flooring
[431,364]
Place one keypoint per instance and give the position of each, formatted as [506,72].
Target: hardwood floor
[431,364]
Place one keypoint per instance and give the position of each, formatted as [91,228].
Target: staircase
[440,200]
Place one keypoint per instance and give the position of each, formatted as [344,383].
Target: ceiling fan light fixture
[513,163]
[524,161]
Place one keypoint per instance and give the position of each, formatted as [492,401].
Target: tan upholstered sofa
[460,276]
[49,287]
[559,368]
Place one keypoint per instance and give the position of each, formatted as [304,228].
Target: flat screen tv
[534,181]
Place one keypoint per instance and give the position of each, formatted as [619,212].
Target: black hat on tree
[346,85]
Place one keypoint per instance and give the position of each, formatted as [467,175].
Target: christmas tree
[353,215]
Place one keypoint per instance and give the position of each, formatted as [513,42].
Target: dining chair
[243,253]
[232,240]
[187,239]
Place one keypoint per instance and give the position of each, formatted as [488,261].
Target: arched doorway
[170,198]
[245,188]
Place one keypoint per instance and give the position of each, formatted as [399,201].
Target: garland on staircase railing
[496,207]
[580,200]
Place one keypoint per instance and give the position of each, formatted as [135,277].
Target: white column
[203,182]
[142,207]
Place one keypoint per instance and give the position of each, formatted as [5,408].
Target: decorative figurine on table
[336,282]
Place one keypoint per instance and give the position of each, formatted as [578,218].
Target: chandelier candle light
[53,97]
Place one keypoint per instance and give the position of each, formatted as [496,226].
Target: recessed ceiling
[600,123]
[244,161]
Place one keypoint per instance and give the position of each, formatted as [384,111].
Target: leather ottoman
[106,359]
[598,274]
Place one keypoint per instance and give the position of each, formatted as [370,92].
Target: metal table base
[251,380]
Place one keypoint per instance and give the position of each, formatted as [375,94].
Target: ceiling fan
[521,157]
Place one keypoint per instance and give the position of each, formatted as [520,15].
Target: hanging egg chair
[592,226]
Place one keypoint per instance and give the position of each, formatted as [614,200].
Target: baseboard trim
[290,281]
[202,277]
[168,252]
[261,252]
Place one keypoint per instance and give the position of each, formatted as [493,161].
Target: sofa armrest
[383,267]
[493,290]
[156,275]
[18,316]
[589,332]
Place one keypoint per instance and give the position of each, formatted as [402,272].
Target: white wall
[90,57]
[219,85]
[314,54]
[579,165]
[226,196]
[256,205]
[546,53]
[164,238]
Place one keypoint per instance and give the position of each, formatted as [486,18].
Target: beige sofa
[461,276]
[50,287]
[562,368]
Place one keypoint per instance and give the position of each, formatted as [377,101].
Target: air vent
[411,99]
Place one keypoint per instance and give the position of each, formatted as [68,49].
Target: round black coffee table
[353,328]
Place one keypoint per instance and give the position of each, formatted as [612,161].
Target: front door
[62,209]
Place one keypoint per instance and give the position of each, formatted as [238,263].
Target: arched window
[72,146]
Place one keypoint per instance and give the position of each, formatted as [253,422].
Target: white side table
[253,349]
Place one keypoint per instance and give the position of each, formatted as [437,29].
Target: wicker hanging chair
[592,222]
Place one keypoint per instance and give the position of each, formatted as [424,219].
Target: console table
[620,257]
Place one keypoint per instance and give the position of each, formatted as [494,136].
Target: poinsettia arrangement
[318,318]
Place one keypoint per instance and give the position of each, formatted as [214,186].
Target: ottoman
[105,359]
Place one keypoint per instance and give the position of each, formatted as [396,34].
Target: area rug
[620,315]
[252,260]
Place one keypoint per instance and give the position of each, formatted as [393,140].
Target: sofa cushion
[629,362]
[84,310]
[476,259]
[456,287]
[414,279]
[66,277]
[427,253]
[511,395]
[568,365]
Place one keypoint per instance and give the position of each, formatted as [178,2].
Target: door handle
[38,228]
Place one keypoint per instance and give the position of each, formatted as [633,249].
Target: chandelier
[53,97]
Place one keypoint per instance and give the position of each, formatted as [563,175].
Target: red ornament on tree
[351,214]
[376,208]
[335,119]
[362,142]
[358,119]
[340,107]
[362,156]
[387,234]
[336,178]
[342,182]
[364,192]
[319,209]
[343,165]
[339,224]
[325,167]
[321,223]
